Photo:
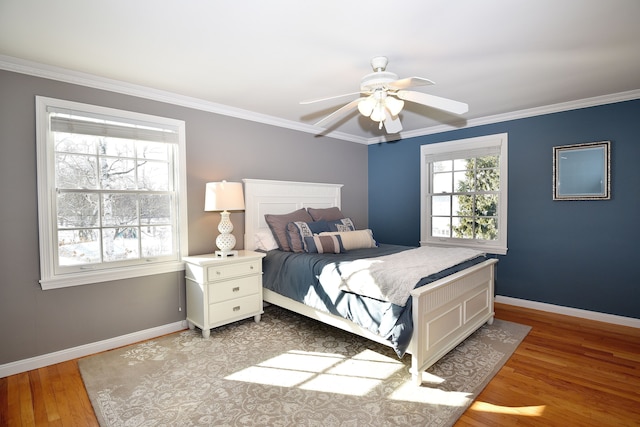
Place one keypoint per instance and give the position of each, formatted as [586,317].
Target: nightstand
[223,290]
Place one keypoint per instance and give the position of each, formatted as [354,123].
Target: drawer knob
[218,272]
[236,308]
[236,289]
[251,268]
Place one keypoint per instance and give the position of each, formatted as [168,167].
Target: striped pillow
[331,244]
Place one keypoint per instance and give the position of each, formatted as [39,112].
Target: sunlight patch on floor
[530,411]
[408,392]
[332,373]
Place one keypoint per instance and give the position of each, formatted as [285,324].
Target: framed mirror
[582,171]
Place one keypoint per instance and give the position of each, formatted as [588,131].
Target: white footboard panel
[447,311]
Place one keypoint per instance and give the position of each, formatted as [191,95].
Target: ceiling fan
[382,97]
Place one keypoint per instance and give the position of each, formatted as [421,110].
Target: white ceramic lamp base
[225,240]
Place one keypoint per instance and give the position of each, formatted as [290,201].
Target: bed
[442,311]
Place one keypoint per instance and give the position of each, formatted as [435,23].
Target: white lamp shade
[224,196]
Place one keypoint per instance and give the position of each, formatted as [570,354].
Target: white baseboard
[569,311]
[87,349]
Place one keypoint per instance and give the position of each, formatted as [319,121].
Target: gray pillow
[278,225]
[327,214]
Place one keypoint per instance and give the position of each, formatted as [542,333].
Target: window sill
[86,278]
[484,247]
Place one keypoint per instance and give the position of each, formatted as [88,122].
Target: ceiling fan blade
[311,101]
[409,82]
[433,101]
[392,124]
[341,111]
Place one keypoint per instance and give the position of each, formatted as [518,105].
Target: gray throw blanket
[392,277]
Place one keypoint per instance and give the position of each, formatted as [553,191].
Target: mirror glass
[582,171]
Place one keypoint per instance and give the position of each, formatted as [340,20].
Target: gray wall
[35,322]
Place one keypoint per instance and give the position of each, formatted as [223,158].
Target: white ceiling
[263,57]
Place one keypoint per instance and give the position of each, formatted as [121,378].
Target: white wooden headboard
[281,197]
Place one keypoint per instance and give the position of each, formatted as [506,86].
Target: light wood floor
[567,372]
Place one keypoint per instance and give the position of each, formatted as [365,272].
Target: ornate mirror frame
[582,171]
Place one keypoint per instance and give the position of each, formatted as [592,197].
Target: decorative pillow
[318,227]
[298,230]
[329,244]
[358,239]
[344,224]
[278,225]
[295,234]
[264,241]
[327,214]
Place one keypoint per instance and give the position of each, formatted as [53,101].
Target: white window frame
[464,148]
[52,277]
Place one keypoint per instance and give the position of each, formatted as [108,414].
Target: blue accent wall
[580,254]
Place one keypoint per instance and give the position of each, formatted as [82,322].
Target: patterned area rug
[288,370]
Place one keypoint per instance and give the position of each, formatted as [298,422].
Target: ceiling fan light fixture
[366,106]
[394,105]
[378,115]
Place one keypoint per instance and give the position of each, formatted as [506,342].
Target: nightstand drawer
[221,272]
[237,308]
[237,288]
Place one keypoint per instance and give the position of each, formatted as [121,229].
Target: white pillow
[358,239]
[265,241]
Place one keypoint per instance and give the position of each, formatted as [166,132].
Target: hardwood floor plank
[576,371]
[49,397]
[4,401]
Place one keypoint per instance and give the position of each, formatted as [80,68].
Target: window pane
[117,147]
[442,182]
[119,209]
[440,227]
[153,176]
[78,210]
[463,164]
[487,228]
[444,166]
[76,171]
[78,247]
[73,143]
[117,174]
[155,209]
[464,204]
[153,150]
[156,241]
[463,181]
[441,205]
[488,162]
[487,205]
[488,180]
[120,243]
[463,227]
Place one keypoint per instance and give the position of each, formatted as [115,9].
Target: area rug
[288,370]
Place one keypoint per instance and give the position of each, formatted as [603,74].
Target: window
[111,193]
[464,193]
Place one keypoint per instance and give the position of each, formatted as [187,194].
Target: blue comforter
[295,275]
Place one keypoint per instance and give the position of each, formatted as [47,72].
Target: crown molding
[36,69]
[89,80]
[522,114]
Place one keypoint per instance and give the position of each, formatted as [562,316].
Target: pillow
[264,241]
[344,224]
[327,214]
[278,225]
[358,239]
[298,230]
[329,244]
